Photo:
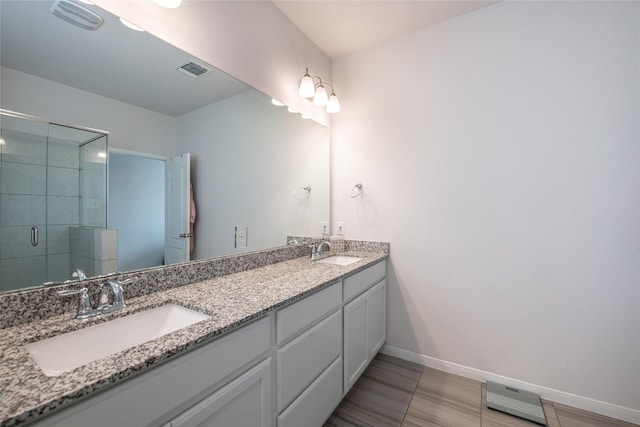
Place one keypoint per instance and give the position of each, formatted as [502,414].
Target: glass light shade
[333,105]
[128,24]
[306,87]
[170,4]
[321,97]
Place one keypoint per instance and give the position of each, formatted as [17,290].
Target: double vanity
[277,342]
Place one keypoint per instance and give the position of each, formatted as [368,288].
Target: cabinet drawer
[315,404]
[303,359]
[171,387]
[243,402]
[296,317]
[360,282]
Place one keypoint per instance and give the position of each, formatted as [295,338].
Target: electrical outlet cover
[241,236]
[325,228]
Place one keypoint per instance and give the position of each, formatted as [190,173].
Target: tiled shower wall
[39,187]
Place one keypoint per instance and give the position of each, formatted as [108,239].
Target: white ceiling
[113,61]
[139,69]
[342,27]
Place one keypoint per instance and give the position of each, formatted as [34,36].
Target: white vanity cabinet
[309,364]
[290,368]
[364,320]
[230,375]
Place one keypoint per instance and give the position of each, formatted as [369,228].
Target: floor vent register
[516,402]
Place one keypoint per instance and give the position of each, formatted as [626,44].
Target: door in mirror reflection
[177,212]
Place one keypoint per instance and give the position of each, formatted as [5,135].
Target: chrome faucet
[111,286]
[316,249]
[79,274]
[104,305]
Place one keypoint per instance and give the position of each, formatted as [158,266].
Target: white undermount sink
[339,260]
[62,353]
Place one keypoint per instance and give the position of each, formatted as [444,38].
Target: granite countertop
[231,301]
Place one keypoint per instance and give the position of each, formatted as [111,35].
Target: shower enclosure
[53,202]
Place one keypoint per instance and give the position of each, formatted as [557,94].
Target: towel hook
[358,192]
[302,192]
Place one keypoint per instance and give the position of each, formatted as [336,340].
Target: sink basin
[62,353]
[339,260]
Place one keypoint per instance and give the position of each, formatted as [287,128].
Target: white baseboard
[603,408]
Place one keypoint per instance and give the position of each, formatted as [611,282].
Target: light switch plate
[325,228]
[241,236]
[340,231]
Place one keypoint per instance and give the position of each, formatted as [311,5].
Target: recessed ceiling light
[292,110]
[130,25]
[276,102]
[170,4]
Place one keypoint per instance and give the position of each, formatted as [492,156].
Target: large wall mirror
[250,160]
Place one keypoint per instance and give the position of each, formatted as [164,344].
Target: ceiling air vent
[76,15]
[193,69]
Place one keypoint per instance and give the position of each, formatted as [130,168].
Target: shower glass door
[52,181]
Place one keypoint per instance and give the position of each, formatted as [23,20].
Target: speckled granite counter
[231,300]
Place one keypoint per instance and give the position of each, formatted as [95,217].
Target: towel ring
[358,192]
[302,192]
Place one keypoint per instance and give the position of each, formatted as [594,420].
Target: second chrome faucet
[316,249]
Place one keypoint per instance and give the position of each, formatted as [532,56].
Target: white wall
[250,40]
[136,209]
[281,150]
[129,127]
[499,153]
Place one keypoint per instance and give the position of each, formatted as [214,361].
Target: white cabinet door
[245,402]
[355,340]
[376,318]
[365,331]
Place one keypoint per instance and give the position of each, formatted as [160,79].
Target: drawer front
[301,361]
[296,317]
[161,391]
[360,282]
[315,404]
[243,402]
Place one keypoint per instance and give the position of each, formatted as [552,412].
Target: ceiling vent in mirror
[76,15]
[193,69]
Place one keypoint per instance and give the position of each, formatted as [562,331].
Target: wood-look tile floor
[396,393]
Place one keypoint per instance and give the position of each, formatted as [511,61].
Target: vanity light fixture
[316,90]
[169,4]
[128,24]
